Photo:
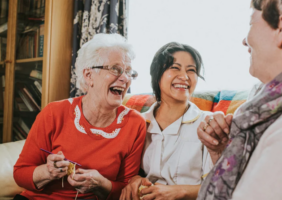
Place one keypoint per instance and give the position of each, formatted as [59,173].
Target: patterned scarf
[247,127]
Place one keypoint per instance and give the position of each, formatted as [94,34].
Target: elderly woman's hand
[57,166]
[86,181]
[130,192]
[213,133]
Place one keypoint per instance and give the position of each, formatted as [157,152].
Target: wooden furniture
[55,63]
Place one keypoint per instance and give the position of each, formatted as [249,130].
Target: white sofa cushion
[9,154]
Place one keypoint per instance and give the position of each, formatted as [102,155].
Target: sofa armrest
[9,154]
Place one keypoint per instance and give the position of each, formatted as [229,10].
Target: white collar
[190,116]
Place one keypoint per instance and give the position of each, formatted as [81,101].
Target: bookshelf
[36,66]
[29,60]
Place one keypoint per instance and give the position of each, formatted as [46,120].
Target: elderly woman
[174,159]
[249,168]
[94,130]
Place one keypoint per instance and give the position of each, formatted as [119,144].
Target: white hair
[95,53]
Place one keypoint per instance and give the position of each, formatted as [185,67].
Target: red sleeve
[130,164]
[31,155]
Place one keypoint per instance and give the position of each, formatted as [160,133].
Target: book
[35,92]
[41,40]
[28,45]
[23,133]
[36,42]
[4,9]
[30,50]
[26,99]
[23,125]
[36,74]
[18,134]
[20,105]
[27,82]
[27,92]
[38,8]
[38,86]
[42,8]
[3,28]
[3,46]
[29,29]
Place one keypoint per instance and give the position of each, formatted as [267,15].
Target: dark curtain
[91,17]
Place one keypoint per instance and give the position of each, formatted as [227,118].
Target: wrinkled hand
[161,192]
[57,166]
[215,137]
[86,181]
[131,190]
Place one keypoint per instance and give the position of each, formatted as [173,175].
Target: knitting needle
[64,158]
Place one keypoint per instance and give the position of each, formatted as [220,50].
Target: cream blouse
[175,156]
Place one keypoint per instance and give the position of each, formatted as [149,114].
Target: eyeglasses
[117,70]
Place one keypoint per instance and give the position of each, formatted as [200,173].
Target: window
[215,28]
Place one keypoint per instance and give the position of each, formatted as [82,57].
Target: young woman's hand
[166,192]
[85,181]
[130,192]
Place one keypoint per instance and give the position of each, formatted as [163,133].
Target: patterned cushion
[226,101]
[139,102]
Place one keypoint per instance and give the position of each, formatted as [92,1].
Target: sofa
[9,153]
[225,101]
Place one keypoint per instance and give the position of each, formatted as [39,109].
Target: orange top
[115,151]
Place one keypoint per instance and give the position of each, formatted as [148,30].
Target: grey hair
[95,53]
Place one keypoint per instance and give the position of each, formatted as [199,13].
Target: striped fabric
[226,101]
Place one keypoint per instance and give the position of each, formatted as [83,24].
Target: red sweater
[115,151]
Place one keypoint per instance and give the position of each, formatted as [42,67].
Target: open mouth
[180,86]
[116,90]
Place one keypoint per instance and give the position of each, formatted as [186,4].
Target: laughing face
[109,88]
[178,82]
[262,46]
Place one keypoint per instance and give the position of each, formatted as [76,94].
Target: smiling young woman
[174,159]
[177,84]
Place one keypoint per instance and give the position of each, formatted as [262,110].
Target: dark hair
[270,10]
[163,59]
